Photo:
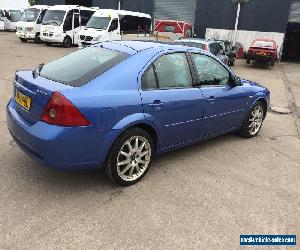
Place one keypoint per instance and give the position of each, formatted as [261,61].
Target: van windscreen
[54,17]
[82,66]
[97,22]
[30,15]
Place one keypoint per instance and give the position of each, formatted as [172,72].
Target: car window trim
[197,75]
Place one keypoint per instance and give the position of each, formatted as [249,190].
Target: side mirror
[237,81]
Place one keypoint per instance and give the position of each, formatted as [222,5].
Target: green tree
[32,2]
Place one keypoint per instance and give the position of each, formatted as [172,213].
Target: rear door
[171,101]
[224,106]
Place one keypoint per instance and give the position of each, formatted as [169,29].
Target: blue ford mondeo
[117,104]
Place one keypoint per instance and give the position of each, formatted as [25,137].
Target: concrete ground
[201,197]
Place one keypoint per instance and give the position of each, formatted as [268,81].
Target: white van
[28,28]
[107,24]
[10,18]
[2,27]
[61,23]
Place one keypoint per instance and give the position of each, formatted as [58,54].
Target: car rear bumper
[263,58]
[65,148]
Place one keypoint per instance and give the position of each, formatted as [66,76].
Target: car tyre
[130,157]
[253,122]
[23,40]
[67,43]
[48,44]
[248,61]
[272,63]
[37,39]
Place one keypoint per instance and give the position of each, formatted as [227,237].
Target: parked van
[28,28]
[178,29]
[107,25]
[62,23]
[2,27]
[10,18]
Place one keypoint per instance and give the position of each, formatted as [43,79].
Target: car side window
[173,71]
[114,25]
[149,79]
[210,71]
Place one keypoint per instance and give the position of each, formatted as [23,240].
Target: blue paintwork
[114,102]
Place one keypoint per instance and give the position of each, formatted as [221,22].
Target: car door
[171,101]
[76,26]
[225,103]
[114,31]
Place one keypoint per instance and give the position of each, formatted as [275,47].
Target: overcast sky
[19,4]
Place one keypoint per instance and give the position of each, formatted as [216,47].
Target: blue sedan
[117,104]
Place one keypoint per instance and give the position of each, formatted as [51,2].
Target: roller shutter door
[295,12]
[175,10]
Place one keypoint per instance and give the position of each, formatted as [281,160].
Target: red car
[262,50]
[180,28]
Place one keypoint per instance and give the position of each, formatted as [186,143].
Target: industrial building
[276,18]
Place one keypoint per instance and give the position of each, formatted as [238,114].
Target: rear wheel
[23,40]
[253,122]
[248,61]
[272,63]
[67,42]
[130,157]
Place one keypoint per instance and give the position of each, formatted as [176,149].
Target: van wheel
[23,40]
[37,38]
[67,42]
[130,157]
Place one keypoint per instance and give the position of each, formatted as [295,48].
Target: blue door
[171,101]
[225,104]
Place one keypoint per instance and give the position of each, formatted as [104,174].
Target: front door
[76,27]
[114,30]
[171,101]
[225,104]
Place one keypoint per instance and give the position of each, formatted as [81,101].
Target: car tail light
[60,111]
[205,47]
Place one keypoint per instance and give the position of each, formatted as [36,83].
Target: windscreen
[100,23]
[30,15]
[263,44]
[15,15]
[82,66]
[54,17]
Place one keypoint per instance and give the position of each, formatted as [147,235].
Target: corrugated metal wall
[257,15]
[175,10]
[295,12]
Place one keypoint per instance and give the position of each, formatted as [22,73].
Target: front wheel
[23,40]
[37,39]
[130,157]
[67,42]
[253,122]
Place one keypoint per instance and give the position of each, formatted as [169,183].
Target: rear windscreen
[82,66]
[263,44]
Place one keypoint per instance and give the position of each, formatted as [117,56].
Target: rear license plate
[23,100]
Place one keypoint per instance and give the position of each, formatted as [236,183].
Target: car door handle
[156,103]
[210,99]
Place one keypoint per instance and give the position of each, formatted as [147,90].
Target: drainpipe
[236,22]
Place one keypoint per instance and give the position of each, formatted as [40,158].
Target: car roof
[133,47]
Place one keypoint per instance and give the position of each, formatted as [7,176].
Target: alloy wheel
[256,119]
[133,158]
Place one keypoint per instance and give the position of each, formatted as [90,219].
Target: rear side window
[149,79]
[196,45]
[80,67]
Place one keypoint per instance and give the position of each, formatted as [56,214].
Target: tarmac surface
[201,197]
